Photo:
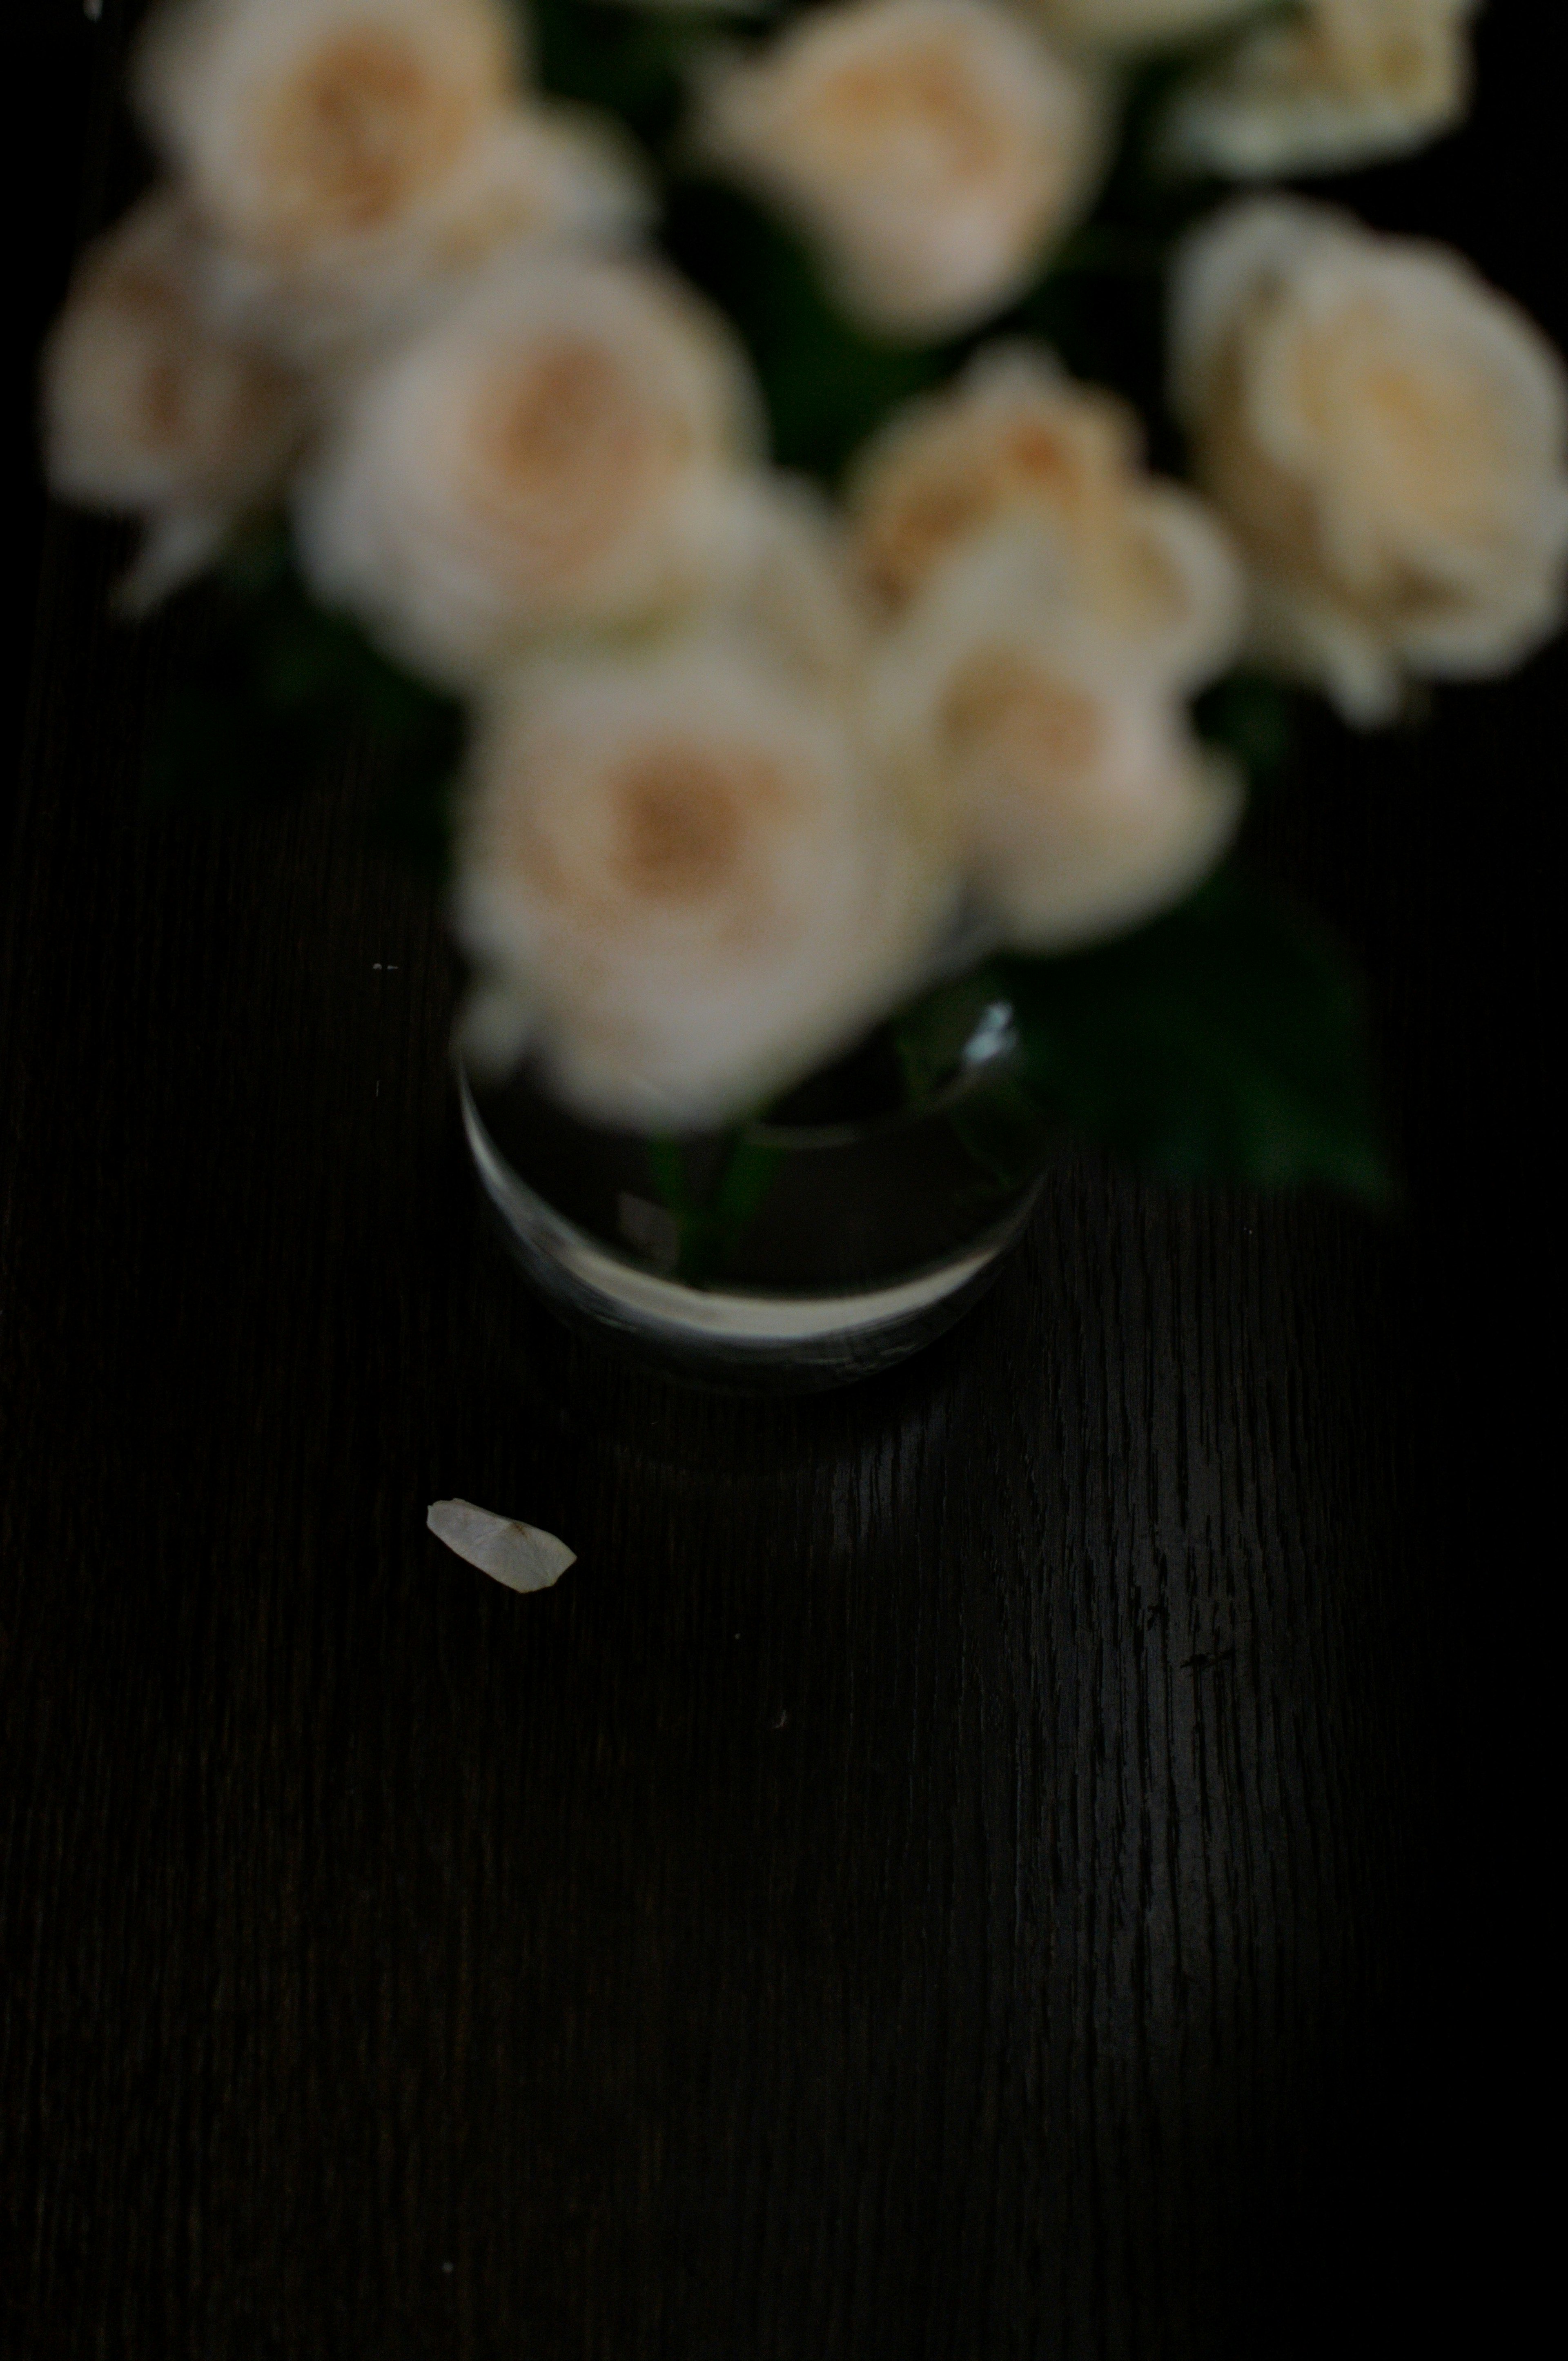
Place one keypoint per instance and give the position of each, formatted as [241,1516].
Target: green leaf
[1227,1039]
[1253,718]
[714,1188]
[743,1185]
[667,1163]
[277,692]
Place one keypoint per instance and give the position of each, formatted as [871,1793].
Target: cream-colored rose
[1337,83]
[298,123]
[792,582]
[1016,439]
[542,177]
[352,159]
[1073,797]
[562,451]
[152,411]
[678,880]
[934,150]
[1385,436]
[1123,25]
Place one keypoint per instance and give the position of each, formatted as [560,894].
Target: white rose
[1073,797]
[1385,436]
[1129,25]
[299,122]
[679,881]
[540,177]
[792,582]
[1341,83]
[350,157]
[934,150]
[561,451]
[1015,438]
[152,411]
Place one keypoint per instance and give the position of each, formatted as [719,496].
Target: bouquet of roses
[711,448]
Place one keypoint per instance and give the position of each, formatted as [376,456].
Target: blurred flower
[350,157]
[678,880]
[152,411]
[540,177]
[1015,437]
[1127,24]
[1386,434]
[934,149]
[1339,82]
[563,450]
[297,123]
[792,581]
[1074,798]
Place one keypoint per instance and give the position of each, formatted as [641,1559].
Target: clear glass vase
[827,1238]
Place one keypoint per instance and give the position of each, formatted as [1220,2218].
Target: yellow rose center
[1066,468]
[903,544]
[682,822]
[567,450]
[362,129]
[1043,458]
[1430,438]
[916,112]
[1408,423]
[1035,730]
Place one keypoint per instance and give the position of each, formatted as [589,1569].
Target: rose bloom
[1128,25]
[561,451]
[680,884]
[351,157]
[152,411]
[1342,83]
[1073,797]
[934,150]
[1016,439]
[792,581]
[1385,436]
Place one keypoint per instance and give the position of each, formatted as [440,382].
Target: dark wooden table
[1030,1857]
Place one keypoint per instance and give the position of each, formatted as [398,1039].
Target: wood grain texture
[992,1864]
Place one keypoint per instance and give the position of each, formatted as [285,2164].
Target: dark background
[1035,1856]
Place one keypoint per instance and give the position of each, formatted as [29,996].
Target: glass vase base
[713,1336]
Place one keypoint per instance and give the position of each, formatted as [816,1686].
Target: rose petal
[518,1555]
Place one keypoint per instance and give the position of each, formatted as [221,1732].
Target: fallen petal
[519,1555]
